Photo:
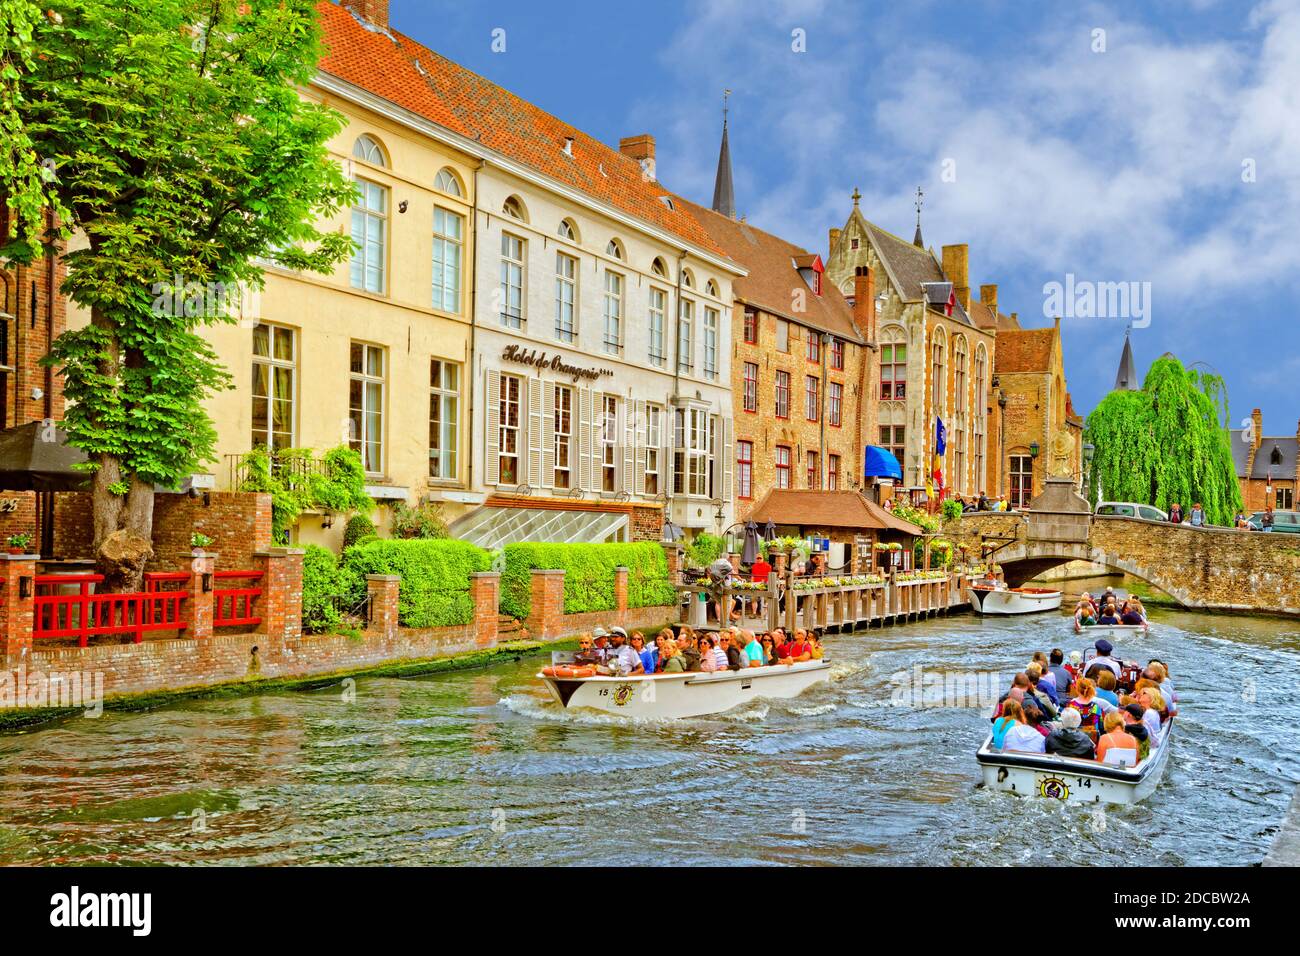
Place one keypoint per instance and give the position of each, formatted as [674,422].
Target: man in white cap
[623,660]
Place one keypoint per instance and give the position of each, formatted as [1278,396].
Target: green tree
[1166,443]
[182,153]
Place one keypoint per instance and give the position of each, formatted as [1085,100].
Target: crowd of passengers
[1106,710]
[730,649]
[1109,608]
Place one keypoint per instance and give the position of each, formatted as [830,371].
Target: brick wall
[239,524]
[24,295]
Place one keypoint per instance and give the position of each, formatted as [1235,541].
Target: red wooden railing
[235,606]
[84,614]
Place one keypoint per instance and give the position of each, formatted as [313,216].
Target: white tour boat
[1072,779]
[1113,632]
[674,696]
[1001,600]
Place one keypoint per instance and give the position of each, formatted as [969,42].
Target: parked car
[1287,522]
[1131,509]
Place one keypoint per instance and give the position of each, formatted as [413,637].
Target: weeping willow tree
[1167,443]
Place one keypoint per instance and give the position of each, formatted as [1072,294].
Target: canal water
[476,767]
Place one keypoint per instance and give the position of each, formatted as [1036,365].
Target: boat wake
[536,708]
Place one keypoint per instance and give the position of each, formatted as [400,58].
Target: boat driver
[623,660]
[1103,657]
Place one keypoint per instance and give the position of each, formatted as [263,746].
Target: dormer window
[810,269]
[1276,457]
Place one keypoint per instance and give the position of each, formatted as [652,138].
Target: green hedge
[435,577]
[321,583]
[589,575]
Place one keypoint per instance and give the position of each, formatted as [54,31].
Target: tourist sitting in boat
[769,655]
[708,663]
[752,649]
[1019,734]
[671,659]
[1109,615]
[1131,614]
[1106,684]
[1135,723]
[1152,706]
[649,655]
[717,652]
[1157,671]
[1075,666]
[1115,738]
[1085,702]
[587,653]
[735,658]
[796,650]
[1045,671]
[623,660]
[686,647]
[1085,615]
[1047,701]
[1056,665]
[1067,740]
[663,639]
[1138,731]
[815,641]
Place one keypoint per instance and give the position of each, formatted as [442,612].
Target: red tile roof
[827,509]
[774,277]
[415,78]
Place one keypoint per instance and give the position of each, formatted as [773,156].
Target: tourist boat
[993,600]
[675,696]
[1113,632]
[1071,779]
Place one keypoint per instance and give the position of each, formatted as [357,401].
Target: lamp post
[1002,439]
[718,515]
[1089,449]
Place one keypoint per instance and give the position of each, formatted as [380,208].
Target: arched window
[688,278]
[568,230]
[514,208]
[711,288]
[938,369]
[446,181]
[893,363]
[367,148]
[959,376]
[615,249]
[659,267]
[979,427]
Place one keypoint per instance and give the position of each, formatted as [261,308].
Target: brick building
[800,366]
[33,313]
[1268,467]
[1038,434]
[935,362]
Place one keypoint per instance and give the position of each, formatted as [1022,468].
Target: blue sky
[1165,150]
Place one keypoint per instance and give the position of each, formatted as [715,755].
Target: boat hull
[1074,781]
[1113,632]
[1013,600]
[691,694]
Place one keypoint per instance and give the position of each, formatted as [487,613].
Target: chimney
[1257,419]
[864,302]
[642,149]
[989,296]
[956,268]
[835,238]
[374,12]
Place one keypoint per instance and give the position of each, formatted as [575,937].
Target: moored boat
[687,694]
[1072,779]
[987,600]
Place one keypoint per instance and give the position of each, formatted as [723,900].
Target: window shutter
[629,446]
[547,479]
[492,444]
[639,438]
[535,432]
[728,492]
[585,449]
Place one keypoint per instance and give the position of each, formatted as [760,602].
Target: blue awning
[880,462]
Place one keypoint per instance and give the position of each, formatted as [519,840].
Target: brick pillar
[620,592]
[201,604]
[778,562]
[383,590]
[281,600]
[484,591]
[673,552]
[544,619]
[16,619]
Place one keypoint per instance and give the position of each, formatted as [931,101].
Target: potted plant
[198,542]
[19,543]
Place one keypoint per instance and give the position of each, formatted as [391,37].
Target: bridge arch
[1026,560]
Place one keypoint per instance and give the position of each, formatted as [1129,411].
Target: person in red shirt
[758,573]
[796,650]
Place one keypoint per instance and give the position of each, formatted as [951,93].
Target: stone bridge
[1207,568]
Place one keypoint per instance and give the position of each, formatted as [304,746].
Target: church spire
[920,198]
[724,196]
[1126,379]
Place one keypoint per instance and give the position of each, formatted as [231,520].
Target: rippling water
[476,767]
